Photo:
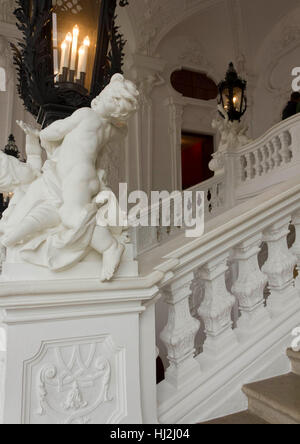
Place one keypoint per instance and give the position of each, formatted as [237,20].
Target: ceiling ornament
[152,20]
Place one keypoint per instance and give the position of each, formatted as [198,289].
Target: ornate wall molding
[193,55]
[154,19]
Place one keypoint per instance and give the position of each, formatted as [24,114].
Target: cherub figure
[54,223]
[233,134]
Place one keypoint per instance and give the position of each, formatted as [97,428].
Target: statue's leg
[104,243]
[41,218]
[25,203]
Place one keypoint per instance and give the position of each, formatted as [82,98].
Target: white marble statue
[233,136]
[52,217]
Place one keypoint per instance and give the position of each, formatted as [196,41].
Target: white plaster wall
[262,38]
[11,107]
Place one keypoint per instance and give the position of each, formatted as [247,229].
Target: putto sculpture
[52,218]
[232,137]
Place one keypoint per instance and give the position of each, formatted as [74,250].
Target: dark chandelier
[232,92]
[69,52]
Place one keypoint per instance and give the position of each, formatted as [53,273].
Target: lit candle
[74,48]
[83,57]
[55,50]
[65,52]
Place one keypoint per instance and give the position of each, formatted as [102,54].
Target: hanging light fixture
[11,148]
[69,52]
[232,92]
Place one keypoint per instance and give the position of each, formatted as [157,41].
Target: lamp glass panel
[75,34]
[237,99]
[226,98]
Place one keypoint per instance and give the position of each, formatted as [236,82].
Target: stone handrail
[147,238]
[269,160]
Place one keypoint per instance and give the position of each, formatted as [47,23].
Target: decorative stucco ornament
[233,136]
[52,220]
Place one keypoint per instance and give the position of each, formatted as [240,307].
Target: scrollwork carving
[72,377]
[76,382]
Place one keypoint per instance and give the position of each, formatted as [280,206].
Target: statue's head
[118,100]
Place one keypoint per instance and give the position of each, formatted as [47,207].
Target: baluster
[214,199]
[253,172]
[196,298]
[271,151]
[256,162]
[243,168]
[277,151]
[286,146]
[259,162]
[280,266]
[266,157]
[180,332]
[216,309]
[250,285]
[248,166]
[220,195]
[296,246]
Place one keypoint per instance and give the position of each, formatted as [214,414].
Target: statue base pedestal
[77,351]
[90,268]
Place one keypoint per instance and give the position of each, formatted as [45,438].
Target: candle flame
[76,31]
[69,37]
[87,41]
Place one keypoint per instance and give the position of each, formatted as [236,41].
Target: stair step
[276,400]
[295,361]
[242,418]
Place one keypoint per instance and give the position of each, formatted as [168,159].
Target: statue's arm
[59,129]
[33,147]
[14,173]
[53,136]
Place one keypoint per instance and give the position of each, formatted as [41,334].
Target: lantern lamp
[69,52]
[232,92]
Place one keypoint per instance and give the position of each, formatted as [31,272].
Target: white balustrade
[261,157]
[235,341]
[265,162]
[147,238]
[242,174]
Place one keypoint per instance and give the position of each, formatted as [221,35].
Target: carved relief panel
[75,382]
